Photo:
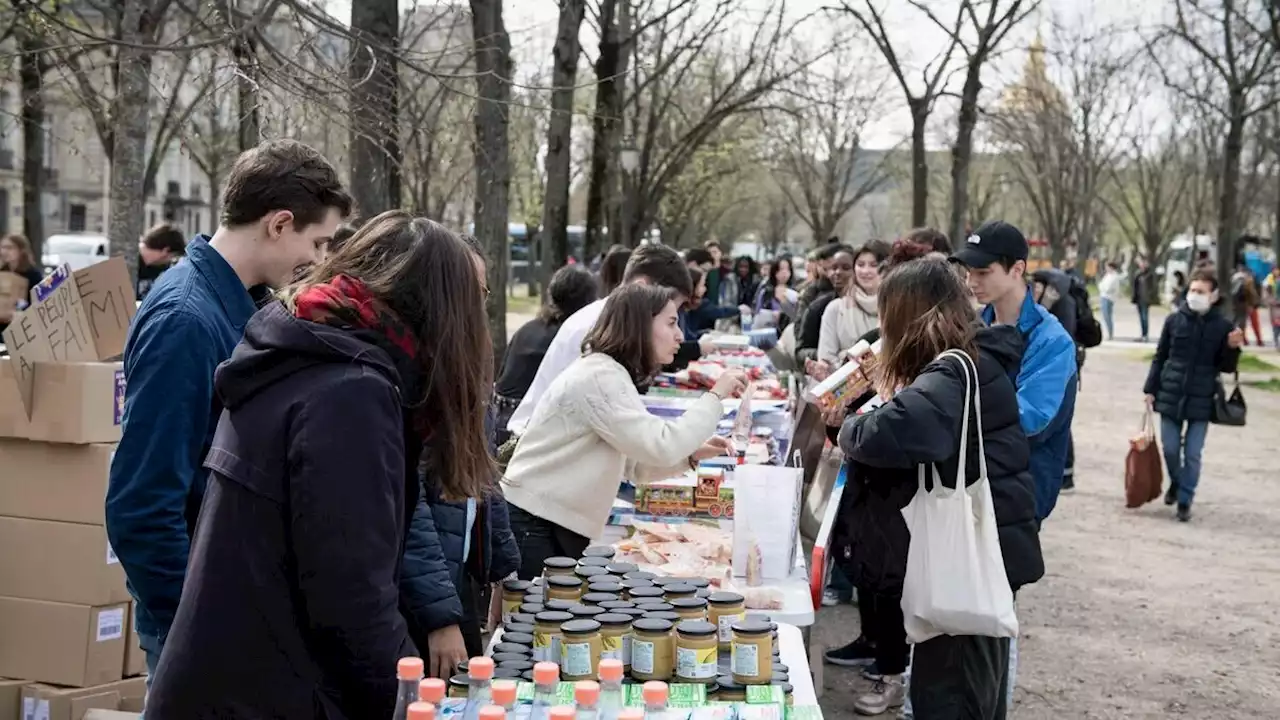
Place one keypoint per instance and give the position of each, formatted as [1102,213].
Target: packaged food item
[580,649]
[547,635]
[849,381]
[751,652]
[652,649]
[723,609]
[697,652]
[615,637]
[564,587]
[558,566]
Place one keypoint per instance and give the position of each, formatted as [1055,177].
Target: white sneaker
[830,598]
[888,693]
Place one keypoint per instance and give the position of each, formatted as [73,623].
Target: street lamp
[629,157]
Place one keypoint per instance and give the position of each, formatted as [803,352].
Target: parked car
[79,251]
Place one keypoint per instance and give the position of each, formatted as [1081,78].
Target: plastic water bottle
[745,318]
[420,711]
[480,692]
[587,696]
[432,690]
[504,695]
[655,693]
[408,674]
[546,676]
[610,689]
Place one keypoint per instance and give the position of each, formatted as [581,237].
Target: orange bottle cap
[611,670]
[431,690]
[503,692]
[492,712]
[546,673]
[631,714]
[562,712]
[586,692]
[409,668]
[654,692]
[421,711]
[480,668]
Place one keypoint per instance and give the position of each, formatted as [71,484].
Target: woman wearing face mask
[854,314]
[592,429]
[1196,343]
[839,276]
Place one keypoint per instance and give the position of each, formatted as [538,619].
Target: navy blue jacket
[189,322]
[290,606]
[1184,373]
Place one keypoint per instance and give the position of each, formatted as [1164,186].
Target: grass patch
[1249,363]
[1270,384]
[522,304]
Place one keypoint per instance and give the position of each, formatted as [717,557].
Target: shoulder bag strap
[972,391]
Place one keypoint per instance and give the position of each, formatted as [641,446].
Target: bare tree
[212,135]
[375,88]
[1149,186]
[1234,66]
[493,167]
[818,136]
[33,65]
[564,73]
[613,23]
[984,26]
[1061,140]
[920,103]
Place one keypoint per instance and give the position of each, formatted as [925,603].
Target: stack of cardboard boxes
[66,626]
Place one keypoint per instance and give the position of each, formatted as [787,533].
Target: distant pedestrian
[1109,292]
[1142,280]
[158,250]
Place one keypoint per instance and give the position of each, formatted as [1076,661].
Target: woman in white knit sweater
[852,316]
[591,429]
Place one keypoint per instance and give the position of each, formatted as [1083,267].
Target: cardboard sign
[74,317]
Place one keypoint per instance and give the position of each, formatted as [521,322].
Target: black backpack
[1088,329]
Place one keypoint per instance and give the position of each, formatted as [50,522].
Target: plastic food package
[849,381]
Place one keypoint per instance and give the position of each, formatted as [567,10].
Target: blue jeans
[1144,319]
[1182,454]
[151,647]
[1108,316]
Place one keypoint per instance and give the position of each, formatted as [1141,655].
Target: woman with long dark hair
[924,312]
[290,606]
[16,257]
[592,429]
[775,295]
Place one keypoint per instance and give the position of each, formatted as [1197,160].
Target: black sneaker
[856,654]
[1184,512]
[1171,495]
[1068,485]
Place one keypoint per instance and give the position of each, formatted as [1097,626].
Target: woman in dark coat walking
[1196,343]
[290,605]
[925,310]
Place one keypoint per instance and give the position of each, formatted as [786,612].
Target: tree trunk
[611,68]
[375,147]
[1232,150]
[250,127]
[555,212]
[30,75]
[492,159]
[131,119]
[919,164]
[962,151]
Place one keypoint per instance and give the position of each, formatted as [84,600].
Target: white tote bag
[955,582]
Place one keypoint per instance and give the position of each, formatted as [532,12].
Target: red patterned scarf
[346,302]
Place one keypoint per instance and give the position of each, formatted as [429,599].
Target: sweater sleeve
[829,334]
[614,410]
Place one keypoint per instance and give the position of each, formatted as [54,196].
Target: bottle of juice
[610,689]
[504,695]
[408,675]
[546,676]
[432,690]
[655,700]
[479,692]
[420,711]
[586,694]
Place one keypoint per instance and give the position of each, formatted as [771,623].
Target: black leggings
[540,539]
[960,677]
[882,624]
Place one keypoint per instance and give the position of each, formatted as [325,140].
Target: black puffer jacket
[1192,351]
[921,424]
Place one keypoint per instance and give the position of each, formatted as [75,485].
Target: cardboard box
[66,562]
[76,403]
[13,289]
[73,317]
[135,660]
[59,703]
[61,643]
[49,481]
[11,699]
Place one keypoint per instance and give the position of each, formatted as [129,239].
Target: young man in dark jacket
[1196,343]
[281,204]
[1142,290]
[158,250]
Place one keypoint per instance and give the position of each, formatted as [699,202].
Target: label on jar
[696,664]
[546,647]
[725,623]
[744,660]
[509,609]
[616,647]
[575,659]
[642,653]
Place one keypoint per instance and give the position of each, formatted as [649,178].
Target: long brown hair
[924,311]
[26,259]
[624,331]
[428,276]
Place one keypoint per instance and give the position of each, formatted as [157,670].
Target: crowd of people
[319,472]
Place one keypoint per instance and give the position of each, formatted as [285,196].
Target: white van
[78,250]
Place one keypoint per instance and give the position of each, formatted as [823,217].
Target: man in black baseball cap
[995,241]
